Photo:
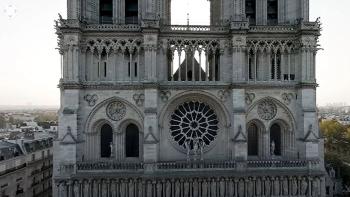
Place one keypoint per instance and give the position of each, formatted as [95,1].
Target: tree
[335,135]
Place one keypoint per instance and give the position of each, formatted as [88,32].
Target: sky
[30,64]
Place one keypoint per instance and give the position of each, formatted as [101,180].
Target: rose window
[193,122]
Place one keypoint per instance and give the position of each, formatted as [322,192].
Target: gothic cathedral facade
[153,109]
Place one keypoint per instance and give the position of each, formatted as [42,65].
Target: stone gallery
[154,109]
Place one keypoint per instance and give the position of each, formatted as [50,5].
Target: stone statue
[195,148]
[303,187]
[112,151]
[294,186]
[177,189]
[332,173]
[267,187]
[188,149]
[273,148]
[201,147]
[258,187]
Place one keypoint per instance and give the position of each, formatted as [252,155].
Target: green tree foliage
[337,147]
[336,135]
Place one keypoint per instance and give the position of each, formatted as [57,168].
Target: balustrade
[194,165]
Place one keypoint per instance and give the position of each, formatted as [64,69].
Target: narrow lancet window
[106,11]
[250,11]
[252,140]
[272,12]
[275,140]
[132,141]
[131,11]
[106,141]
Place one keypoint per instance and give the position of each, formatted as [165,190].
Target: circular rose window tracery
[193,123]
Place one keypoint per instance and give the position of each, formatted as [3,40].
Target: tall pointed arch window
[250,11]
[131,11]
[275,140]
[106,11]
[272,12]
[252,140]
[106,141]
[132,141]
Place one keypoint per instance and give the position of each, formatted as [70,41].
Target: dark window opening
[129,69]
[98,69]
[135,70]
[106,11]
[132,141]
[131,11]
[250,65]
[253,140]
[250,11]
[275,140]
[272,12]
[189,75]
[106,140]
[105,69]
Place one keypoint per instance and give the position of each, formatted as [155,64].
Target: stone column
[238,130]
[239,64]
[151,129]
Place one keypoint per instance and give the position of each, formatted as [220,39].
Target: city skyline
[31,69]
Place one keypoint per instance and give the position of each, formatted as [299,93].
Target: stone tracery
[194,122]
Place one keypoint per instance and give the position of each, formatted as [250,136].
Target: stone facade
[154,109]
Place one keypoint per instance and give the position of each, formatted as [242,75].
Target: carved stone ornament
[249,98]
[165,95]
[91,99]
[287,98]
[267,110]
[116,110]
[223,95]
[139,99]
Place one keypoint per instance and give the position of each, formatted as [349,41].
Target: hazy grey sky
[30,65]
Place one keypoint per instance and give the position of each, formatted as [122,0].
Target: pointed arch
[132,139]
[106,141]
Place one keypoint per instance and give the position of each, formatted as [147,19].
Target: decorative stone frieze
[165,95]
[139,99]
[249,98]
[287,98]
[223,95]
[91,99]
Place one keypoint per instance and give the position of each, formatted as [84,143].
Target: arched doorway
[252,140]
[275,139]
[132,141]
[106,140]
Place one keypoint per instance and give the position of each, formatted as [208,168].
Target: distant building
[26,168]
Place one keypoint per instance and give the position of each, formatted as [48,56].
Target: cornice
[184,85]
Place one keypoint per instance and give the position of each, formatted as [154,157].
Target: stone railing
[283,164]
[274,29]
[112,27]
[197,165]
[85,166]
[193,28]
[192,165]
